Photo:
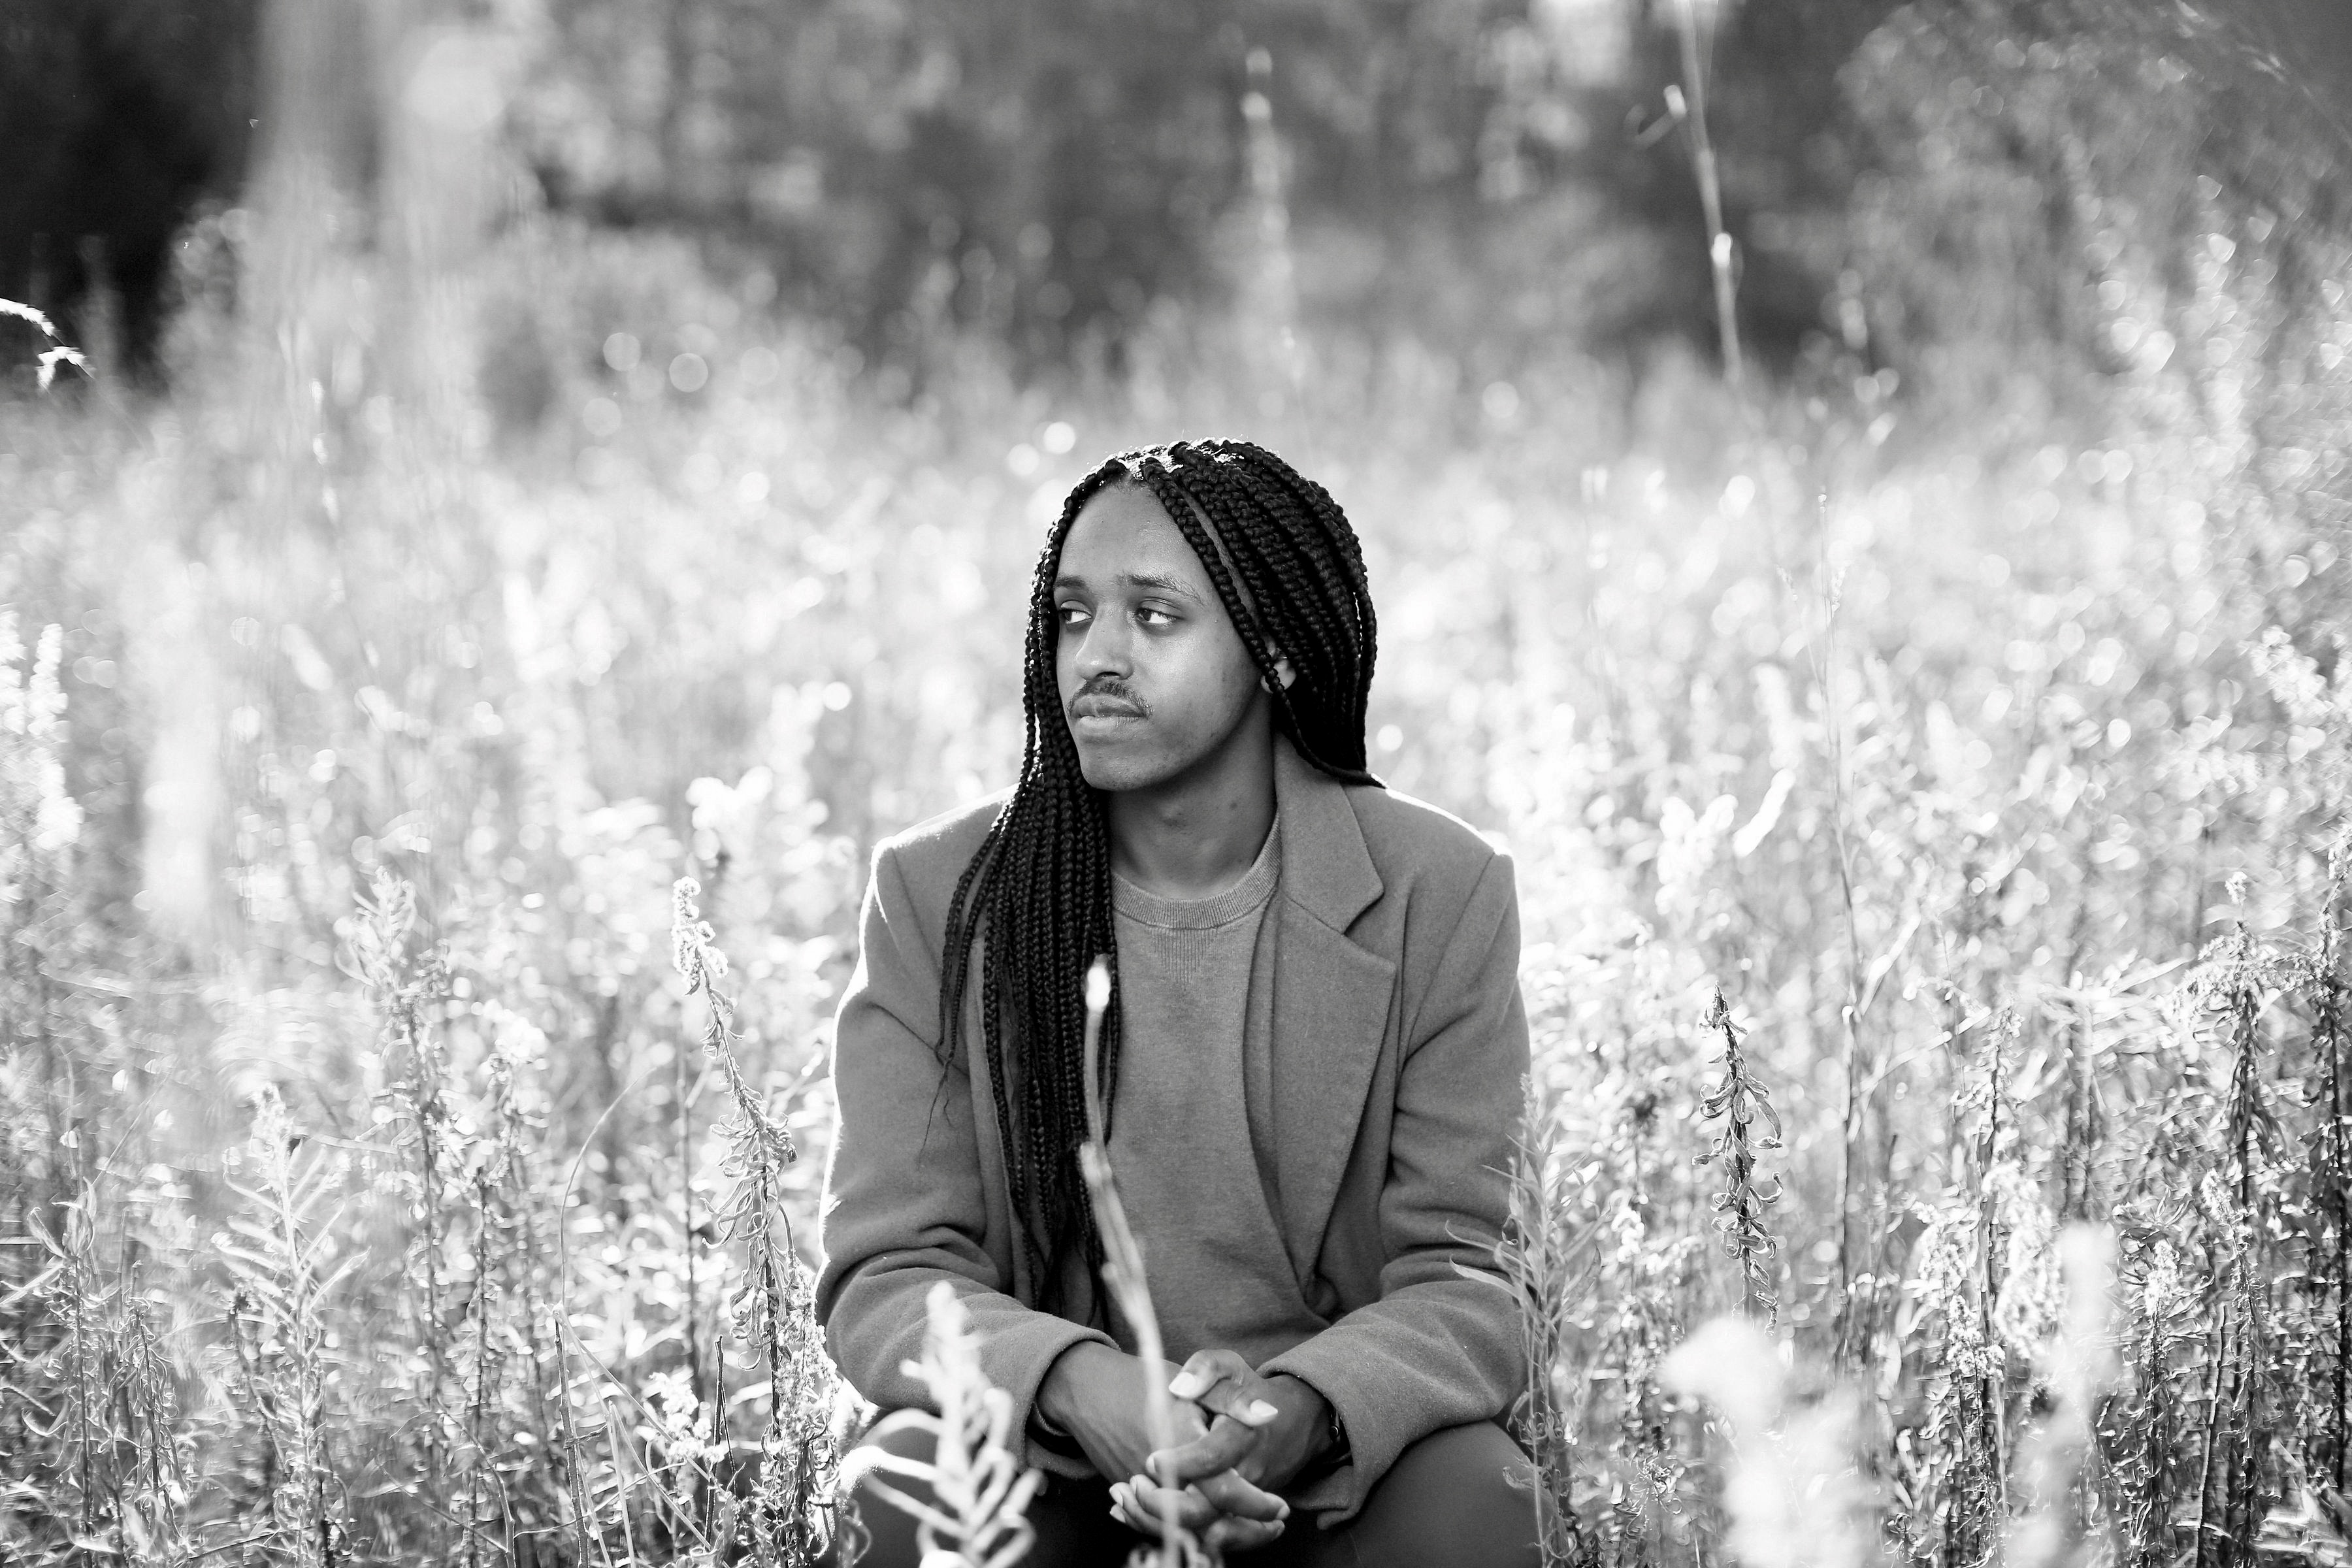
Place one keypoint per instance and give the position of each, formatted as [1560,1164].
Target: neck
[1194,835]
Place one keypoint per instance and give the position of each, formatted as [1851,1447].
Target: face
[1154,678]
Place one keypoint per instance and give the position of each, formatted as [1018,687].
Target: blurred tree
[1042,168]
[118,115]
[2037,183]
[1499,177]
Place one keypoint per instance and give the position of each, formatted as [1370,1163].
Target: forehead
[1124,529]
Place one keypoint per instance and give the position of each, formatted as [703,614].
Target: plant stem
[1719,251]
[1123,1267]
[1850,1012]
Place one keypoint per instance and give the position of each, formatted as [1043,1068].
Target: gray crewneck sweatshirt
[1189,1176]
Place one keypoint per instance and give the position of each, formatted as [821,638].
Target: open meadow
[1928,792]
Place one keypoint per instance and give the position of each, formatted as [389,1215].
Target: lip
[1103,709]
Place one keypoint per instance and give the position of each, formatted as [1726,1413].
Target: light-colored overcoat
[1384,1051]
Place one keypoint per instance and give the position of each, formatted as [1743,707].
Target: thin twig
[1123,1271]
[1690,102]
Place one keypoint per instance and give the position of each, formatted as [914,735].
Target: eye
[1154,615]
[1071,614]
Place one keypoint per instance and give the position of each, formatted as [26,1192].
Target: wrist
[1063,1393]
[1313,1420]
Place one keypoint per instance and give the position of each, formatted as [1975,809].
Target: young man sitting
[1312,1058]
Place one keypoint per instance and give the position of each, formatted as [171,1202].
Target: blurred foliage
[1968,703]
[120,115]
[1484,173]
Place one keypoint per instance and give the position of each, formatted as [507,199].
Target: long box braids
[1036,898]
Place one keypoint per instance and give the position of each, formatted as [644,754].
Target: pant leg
[1072,1518]
[1449,1501]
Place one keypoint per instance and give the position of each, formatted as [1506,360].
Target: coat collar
[1326,867]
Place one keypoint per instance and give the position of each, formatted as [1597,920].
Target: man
[1312,1059]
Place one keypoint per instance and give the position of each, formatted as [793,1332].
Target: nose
[1104,649]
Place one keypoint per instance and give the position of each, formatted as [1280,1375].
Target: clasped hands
[1240,1438]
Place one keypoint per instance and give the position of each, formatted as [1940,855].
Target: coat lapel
[1331,1000]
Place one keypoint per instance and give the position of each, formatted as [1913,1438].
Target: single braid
[1036,899]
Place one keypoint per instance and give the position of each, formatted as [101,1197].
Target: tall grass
[376,1192]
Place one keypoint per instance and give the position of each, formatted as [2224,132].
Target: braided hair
[1290,574]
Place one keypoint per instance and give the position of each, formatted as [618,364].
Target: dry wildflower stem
[403,988]
[1123,1272]
[772,1312]
[1851,1334]
[979,1491]
[2332,1153]
[1740,1101]
[1545,1260]
[280,1262]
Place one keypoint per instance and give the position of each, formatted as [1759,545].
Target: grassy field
[1930,820]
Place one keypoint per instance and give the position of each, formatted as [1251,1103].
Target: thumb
[1221,1381]
[1205,1370]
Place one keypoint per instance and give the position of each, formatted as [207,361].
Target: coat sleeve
[1437,1349]
[904,1202]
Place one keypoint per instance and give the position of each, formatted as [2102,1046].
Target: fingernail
[1184,1385]
[1261,1411]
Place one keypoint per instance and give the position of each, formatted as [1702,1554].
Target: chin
[1116,775]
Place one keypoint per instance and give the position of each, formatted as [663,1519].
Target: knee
[888,1529]
[900,1442]
[1463,1494]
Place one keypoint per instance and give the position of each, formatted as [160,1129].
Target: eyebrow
[1159,580]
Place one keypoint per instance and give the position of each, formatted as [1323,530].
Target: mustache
[1109,688]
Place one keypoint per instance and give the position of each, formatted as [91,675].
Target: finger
[1148,1504]
[1144,1498]
[1245,1402]
[1224,1445]
[1205,1370]
[1234,1495]
[1223,1383]
[1189,1420]
[1130,1511]
[1230,1534]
